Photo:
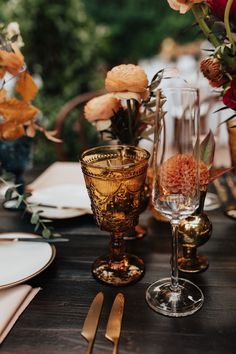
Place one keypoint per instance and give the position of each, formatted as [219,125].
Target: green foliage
[71,43]
[137,27]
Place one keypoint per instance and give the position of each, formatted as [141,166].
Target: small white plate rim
[40,270]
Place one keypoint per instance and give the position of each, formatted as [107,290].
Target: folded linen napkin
[13,301]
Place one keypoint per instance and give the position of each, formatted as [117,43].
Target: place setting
[116,170]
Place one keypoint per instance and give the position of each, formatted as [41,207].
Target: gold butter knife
[91,321]
[31,239]
[114,322]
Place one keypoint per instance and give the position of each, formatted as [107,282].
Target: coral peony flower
[101,107]
[229,97]
[183,5]
[218,8]
[178,175]
[212,70]
[127,78]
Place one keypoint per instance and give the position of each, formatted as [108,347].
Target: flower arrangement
[216,19]
[126,112]
[18,115]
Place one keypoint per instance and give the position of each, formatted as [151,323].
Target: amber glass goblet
[115,176]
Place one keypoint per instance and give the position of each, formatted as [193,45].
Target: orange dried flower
[212,70]
[101,107]
[126,78]
[177,175]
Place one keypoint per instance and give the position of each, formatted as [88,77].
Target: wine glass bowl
[175,192]
[115,177]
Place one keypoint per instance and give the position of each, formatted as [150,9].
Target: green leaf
[207,149]
[9,193]
[19,201]
[34,218]
[46,233]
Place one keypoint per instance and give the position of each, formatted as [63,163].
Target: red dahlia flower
[218,8]
[229,97]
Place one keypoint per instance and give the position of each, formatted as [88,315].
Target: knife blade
[91,321]
[63,207]
[114,321]
[33,239]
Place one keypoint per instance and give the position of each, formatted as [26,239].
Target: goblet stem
[174,258]
[117,247]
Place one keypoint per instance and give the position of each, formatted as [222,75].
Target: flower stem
[130,121]
[198,13]
[227,24]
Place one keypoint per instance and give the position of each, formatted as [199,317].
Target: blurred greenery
[70,45]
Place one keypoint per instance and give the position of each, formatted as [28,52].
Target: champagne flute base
[185,301]
[129,270]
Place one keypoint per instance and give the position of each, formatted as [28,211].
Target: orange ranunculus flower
[183,5]
[11,62]
[177,175]
[127,78]
[212,70]
[101,107]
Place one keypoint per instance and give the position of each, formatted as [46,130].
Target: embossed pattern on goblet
[115,176]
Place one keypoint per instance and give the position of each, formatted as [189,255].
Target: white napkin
[13,301]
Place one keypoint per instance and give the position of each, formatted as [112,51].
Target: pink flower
[218,8]
[183,5]
[101,107]
[229,97]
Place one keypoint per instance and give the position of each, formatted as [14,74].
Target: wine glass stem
[174,258]
[117,246]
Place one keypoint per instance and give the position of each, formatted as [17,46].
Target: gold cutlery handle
[115,348]
[89,347]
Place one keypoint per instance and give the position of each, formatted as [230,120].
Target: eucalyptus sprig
[36,218]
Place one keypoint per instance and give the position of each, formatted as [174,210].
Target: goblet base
[197,264]
[125,272]
[138,232]
[186,300]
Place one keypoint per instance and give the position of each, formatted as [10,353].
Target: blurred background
[69,46]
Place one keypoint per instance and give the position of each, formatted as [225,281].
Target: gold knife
[114,322]
[91,322]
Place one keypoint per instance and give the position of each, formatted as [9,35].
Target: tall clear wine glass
[115,177]
[176,190]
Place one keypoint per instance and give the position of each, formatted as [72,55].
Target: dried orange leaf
[18,111]
[217,172]
[11,131]
[3,95]
[12,62]
[26,86]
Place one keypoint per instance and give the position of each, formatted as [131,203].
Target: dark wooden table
[53,321]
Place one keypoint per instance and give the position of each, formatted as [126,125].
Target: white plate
[60,196]
[20,261]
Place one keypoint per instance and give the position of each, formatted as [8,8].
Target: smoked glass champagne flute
[115,177]
[176,190]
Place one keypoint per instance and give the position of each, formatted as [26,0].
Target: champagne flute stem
[174,258]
